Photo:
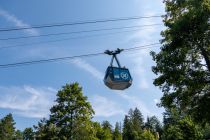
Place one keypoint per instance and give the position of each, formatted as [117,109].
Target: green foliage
[117,135]
[147,135]
[133,125]
[98,129]
[172,116]
[137,119]
[107,130]
[153,125]
[127,125]
[184,129]
[70,117]
[7,128]
[183,64]
[206,131]
[18,135]
[46,131]
[28,134]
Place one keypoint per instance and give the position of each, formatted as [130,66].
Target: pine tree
[7,128]
[154,126]
[137,119]
[28,134]
[107,130]
[117,135]
[19,135]
[98,129]
[148,135]
[133,125]
[127,125]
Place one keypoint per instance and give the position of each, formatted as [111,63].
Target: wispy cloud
[141,59]
[156,101]
[87,67]
[17,22]
[105,107]
[27,101]
[102,109]
[135,102]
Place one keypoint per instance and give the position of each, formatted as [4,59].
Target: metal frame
[114,56]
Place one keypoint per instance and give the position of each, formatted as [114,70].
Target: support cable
[77,32]
[65,39]
[75,23]
[67,57]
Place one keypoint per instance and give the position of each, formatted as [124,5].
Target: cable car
[117,78]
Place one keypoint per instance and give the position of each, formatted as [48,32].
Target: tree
[7,128]
[98,129]
[153,124]
[28,134]
[70,117]
[18,135]
[107,130]
[147,135]
[127,125]
[183,129]
[137,124]
[206,132]
[137,119]
[133,125]
[183,64]
[45,130]
[117,135]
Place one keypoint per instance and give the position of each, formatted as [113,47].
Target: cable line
[76,23]
[141,47]
[46,60]
[78,32]
[64,39]
[67,57]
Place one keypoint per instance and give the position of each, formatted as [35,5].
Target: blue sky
[29,91]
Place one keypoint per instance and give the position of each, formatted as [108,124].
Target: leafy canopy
[183,64]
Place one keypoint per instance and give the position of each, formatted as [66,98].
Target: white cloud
[105,107]
[141,58]
[135,102]
[156,101]
[87,67]
[148,33]
[17,22]
[27,101]
[139,71]
[102,106]
[144,84]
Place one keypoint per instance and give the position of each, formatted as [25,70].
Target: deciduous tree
[183,63]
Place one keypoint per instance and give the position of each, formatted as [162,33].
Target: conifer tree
[7,128]
[133,125]
[127,125]
[19,135]
[28,134]
[117,135]
[107,130]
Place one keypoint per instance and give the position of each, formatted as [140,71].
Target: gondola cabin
[117,78]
